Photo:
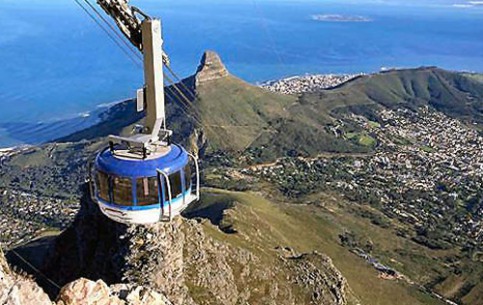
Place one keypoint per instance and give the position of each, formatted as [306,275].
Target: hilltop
[371,186]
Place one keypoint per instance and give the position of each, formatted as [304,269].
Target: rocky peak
[211,67]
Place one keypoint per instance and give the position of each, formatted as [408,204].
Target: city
[422,159]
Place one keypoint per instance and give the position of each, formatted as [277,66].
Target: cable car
[144,178]
[142,191]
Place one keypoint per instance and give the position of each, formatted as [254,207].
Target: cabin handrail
[195,159]
[168,186]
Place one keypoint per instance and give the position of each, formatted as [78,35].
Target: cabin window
[176,187]
[122,191]
[147,191]
[187,176]
[102,182]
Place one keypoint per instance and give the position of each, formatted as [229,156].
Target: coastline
[31,134]
[27,134]
[7,152]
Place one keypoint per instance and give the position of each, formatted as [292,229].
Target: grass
[427,149]
[361,138]
[366,140]
[475,295]
[33,158]
[475,76]
[374,124]
[234,112]
[307,228]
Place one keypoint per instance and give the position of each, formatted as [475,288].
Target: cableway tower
[144,178]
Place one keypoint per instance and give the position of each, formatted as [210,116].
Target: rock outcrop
[315,273]
[16,289]
[210,68]
[97,248]
[84,291]
[182,261]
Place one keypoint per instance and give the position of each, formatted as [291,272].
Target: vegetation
[234,125]
[306,228]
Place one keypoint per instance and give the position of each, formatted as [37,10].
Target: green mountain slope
[231,115]
[242,123]
[267,226]
[303,127]
[451,93]
[234,113]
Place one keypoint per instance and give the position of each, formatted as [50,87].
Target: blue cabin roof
[175,160]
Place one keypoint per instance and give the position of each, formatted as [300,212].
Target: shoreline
[295,84]
[6,152]
[50,129]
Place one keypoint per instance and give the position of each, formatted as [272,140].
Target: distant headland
[340,18]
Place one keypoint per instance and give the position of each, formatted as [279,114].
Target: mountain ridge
[310,200]
[240,118]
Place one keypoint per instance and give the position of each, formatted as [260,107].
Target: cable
[178,100]
[183,101]
[181,82]
[196,114]
[114,30]
[35,269]
[184,98]
[107,32]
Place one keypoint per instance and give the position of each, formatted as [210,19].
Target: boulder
[16,289]
[84,292]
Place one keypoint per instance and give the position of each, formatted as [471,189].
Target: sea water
[57,67]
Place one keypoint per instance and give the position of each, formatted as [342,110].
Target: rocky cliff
[189,265]
[16,289]
[210,68]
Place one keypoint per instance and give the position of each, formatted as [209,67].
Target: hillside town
[308,83]
[422,159]
[26,215]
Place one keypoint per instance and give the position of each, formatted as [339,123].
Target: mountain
[366,193]
[239,118]
[451,93]
[18,289]
[196,263]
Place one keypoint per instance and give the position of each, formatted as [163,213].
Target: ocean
[58,68]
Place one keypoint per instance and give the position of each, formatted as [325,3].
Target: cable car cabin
[144,178]
[145,190]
